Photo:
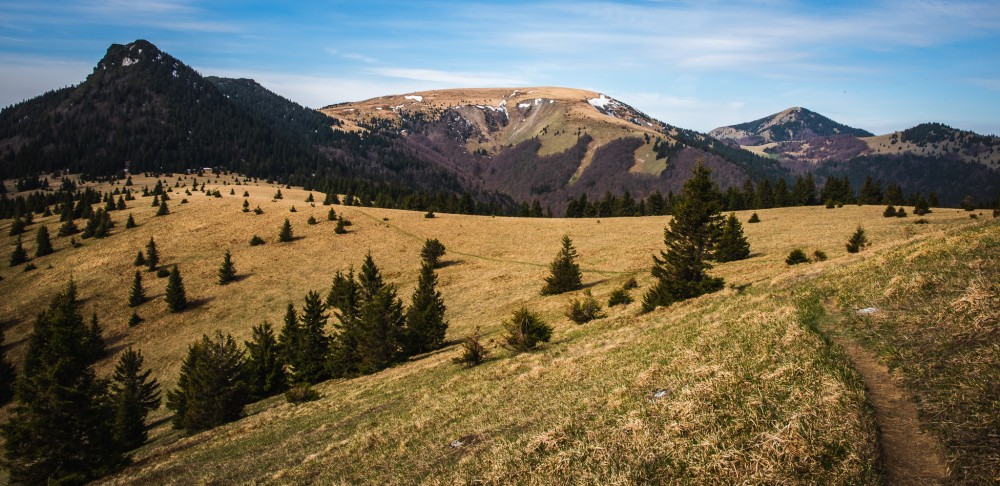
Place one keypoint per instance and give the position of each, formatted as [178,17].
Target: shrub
[162,273]
[473,350]
[525,330]
[753,218]
[830,204]
[890,211]
[340,228]
[301,393]
[256,240]
[796,257]
[585,309]
[900,213]
[630,284]
[429,214]
[619,297]
[819,256]
[134,320]
[921,221]
[311,220]
[258,210]
[293,209]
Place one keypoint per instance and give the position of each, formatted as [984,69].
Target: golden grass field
[753,394]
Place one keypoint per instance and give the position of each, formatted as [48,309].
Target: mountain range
[144,110]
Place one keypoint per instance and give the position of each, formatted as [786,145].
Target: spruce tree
[565,272]
[890,211]
[17,227]
[61,426]
[18,256]
[432,252]
[690,238]
[858,241]
[473,350]
[331,215]
[425,324]
[152,255]
[345,301]
[309,359]
[163,210]
[211,389]
[43,245]
[286,231]
[8,376]
[754,218]
[134,394]
[140,259]
[288,339]
[369,279]
[68,228]
[130,222]
[380,330]
[341,227]
[732,244]
[227,272]
[134,320]
[137,296]
[265,367]
[176,298]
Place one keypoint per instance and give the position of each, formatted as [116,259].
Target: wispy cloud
[450,78]
[352,56]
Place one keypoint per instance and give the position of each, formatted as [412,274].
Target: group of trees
[372,331]
[68,425]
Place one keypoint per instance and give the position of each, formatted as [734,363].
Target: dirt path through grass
[911,455]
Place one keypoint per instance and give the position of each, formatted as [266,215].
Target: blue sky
[882,66]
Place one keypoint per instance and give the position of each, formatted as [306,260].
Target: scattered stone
[867,311]
[658,394]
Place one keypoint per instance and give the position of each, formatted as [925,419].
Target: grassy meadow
[732,387]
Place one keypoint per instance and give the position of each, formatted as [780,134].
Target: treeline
[764,195]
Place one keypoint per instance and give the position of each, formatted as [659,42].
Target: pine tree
[796,257]
[18,256]
[68,228]
[277,195]
[265,367]
[134,320]
[858,241]
[732,244]
[331,215]
[152,255]
[286,231]
[425,324]
[890,211]
[341,227]
[309,359]
[137,296]
[43,245]
[246,206]
[345,301]
[288,339]
[176,298]
[140,259]
[211,389]
[61,427]
[121,204]
[432,252]
[130,222]
[690,239]
[134,394]
[525,330]
[369,279]
[17,227]
[163,210]
[565,272]
[380,330]
[8,376]
[227,272]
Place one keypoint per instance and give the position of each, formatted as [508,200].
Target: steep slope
[571,141]
[795,123]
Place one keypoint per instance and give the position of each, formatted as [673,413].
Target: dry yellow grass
[578,411]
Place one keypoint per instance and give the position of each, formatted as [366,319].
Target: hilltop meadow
[738,385]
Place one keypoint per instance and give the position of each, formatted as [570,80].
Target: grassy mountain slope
[482,133]
[751,392]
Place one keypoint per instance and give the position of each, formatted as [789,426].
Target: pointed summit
[795,123]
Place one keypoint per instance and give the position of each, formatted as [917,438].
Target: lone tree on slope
[565,272]
[690,238]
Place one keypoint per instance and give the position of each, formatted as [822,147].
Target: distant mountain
[792,124]
[551,144]
[930,157]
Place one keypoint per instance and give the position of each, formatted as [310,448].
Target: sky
[699,64]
